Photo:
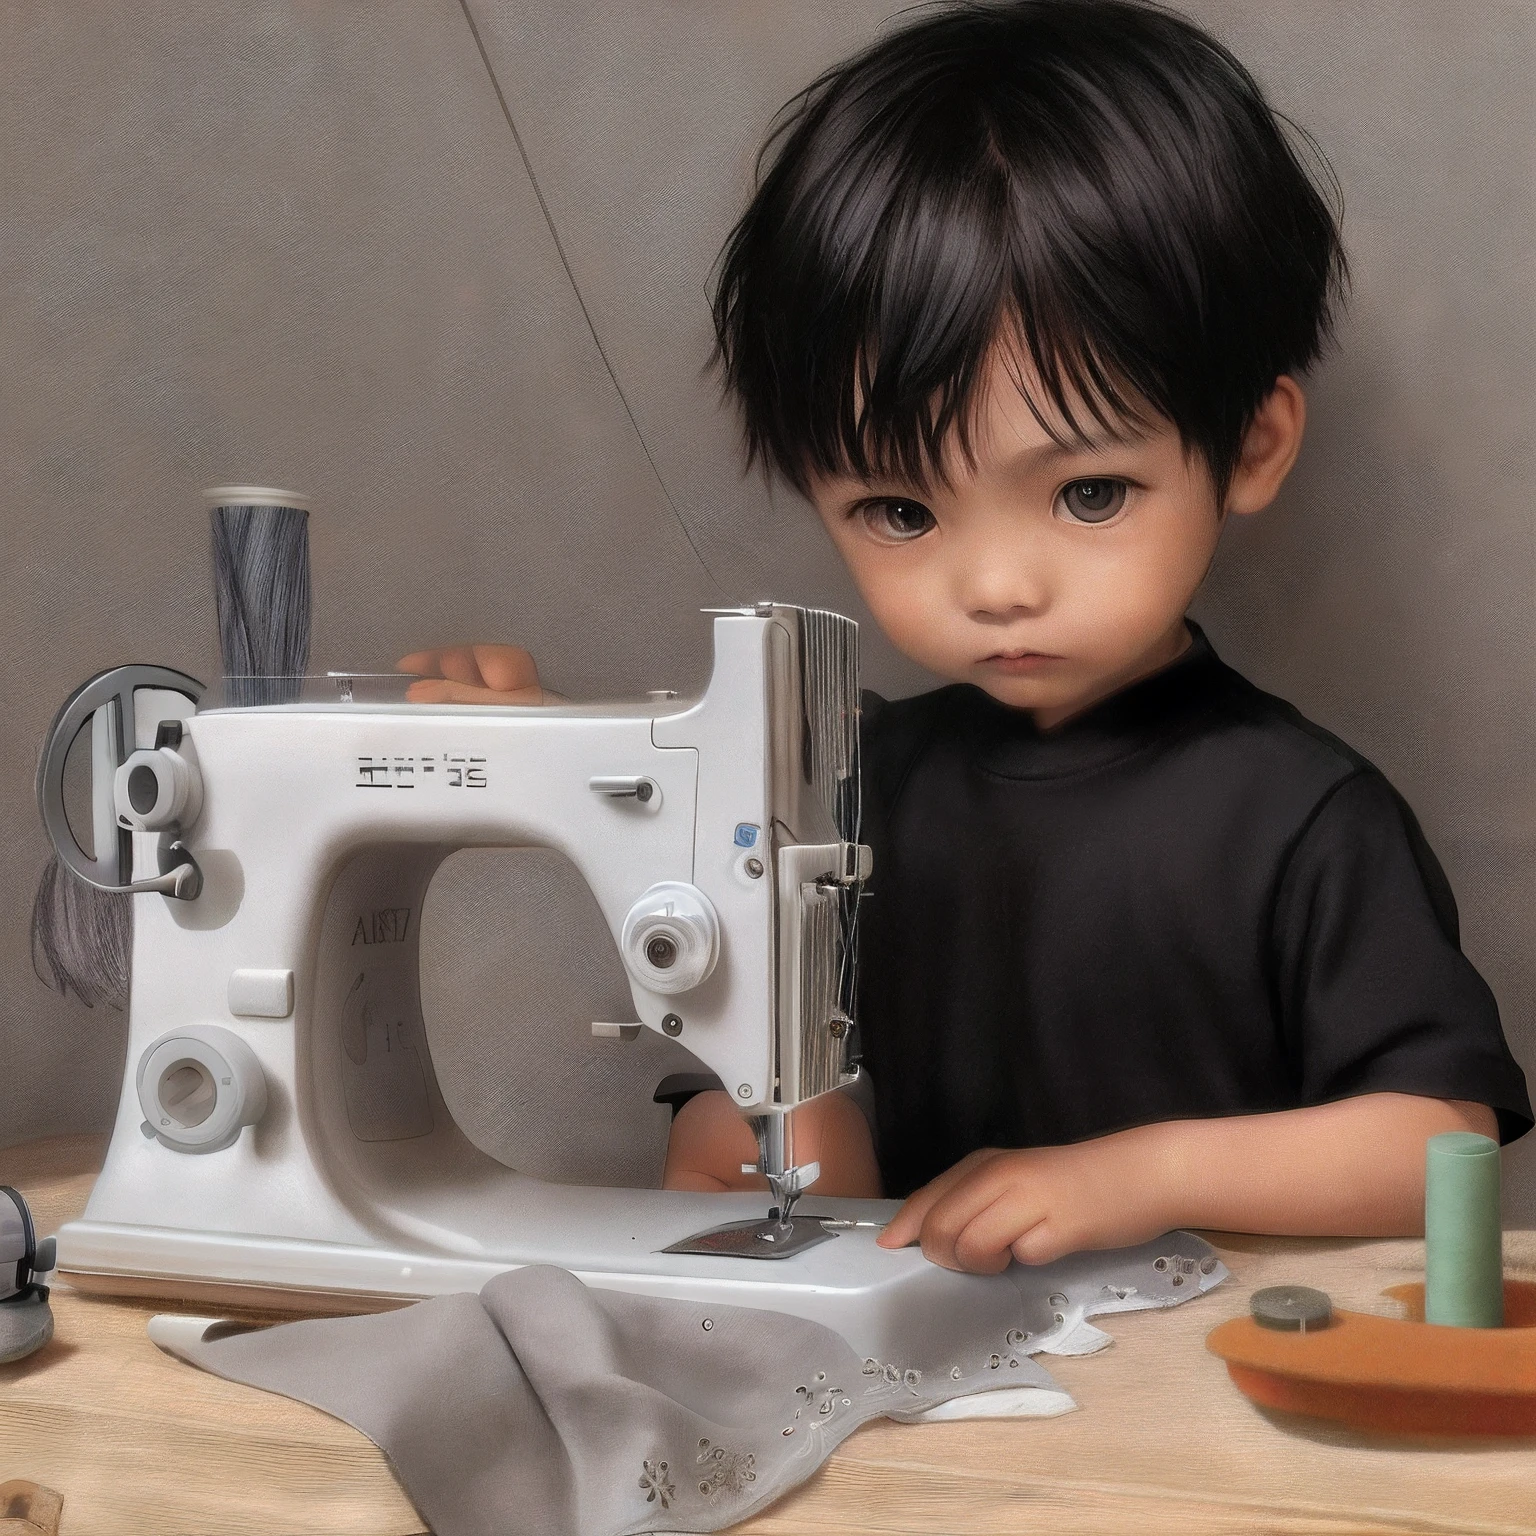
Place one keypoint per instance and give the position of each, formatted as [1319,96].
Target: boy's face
[1049,577]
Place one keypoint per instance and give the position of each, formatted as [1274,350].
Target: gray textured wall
[298,244]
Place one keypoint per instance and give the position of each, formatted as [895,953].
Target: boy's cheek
[903,598]
[919,627]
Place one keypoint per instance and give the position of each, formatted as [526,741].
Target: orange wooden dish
[1403,1375]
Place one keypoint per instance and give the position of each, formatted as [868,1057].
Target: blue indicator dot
[746,835]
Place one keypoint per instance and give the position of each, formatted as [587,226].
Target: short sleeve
[1375,994]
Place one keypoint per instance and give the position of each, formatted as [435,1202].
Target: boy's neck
[1163,653]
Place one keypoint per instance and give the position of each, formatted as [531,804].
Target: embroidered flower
[656,1483]
[722,1470]
[887,1374]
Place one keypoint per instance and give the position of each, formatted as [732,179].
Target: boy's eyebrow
[1053,452]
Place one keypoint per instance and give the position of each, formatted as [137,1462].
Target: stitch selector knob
[671,937]
[199,1086]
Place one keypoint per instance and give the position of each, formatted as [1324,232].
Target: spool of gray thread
[261,583]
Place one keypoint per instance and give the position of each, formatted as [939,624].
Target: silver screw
[837,1028]
[754,867]
[745,1091]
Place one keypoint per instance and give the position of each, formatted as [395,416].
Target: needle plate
[764,1239]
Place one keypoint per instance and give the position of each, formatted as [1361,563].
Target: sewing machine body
[286,993]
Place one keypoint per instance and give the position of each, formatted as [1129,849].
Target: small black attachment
[678,1087]
[18,1245]
[756,1239]
[168,734]
[26,1324]
[1291,1308]
[26,1319]
[672,1024]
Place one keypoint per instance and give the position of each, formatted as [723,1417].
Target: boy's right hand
[474,674]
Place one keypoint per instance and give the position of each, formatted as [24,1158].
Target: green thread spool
[1463,1234]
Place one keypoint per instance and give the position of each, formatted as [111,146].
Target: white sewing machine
[282,1139]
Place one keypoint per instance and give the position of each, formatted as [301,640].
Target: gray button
[1295,1308]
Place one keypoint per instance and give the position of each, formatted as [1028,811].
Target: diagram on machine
[382,1075]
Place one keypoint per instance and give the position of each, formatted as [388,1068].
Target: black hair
[1098,182]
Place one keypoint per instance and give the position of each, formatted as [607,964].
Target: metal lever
[624,787]
[183,880]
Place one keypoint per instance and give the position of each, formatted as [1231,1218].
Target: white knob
[156,788]
[199,1086]
[671,937]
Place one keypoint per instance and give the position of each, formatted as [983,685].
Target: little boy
[1019,306]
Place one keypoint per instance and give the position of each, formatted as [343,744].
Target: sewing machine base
[879,1300]
[874,1298]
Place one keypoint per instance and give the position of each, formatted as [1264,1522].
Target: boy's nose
[996,586]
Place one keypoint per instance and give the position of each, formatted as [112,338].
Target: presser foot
[770,1238]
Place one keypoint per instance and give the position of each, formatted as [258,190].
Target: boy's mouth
[1020,663]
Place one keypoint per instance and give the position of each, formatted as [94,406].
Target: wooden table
[1163,1442]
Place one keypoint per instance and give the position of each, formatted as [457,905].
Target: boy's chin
[1025,692]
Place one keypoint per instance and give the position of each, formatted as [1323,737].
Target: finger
[986,1243]
[1044,1243]
[506,667]
[422,663]
[991,1182]
[904,1226]
[941,1236]
[436,690]
[451,661]
[907,1223]
[459,664]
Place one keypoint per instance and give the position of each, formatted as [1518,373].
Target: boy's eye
[896,519]
[1092,501]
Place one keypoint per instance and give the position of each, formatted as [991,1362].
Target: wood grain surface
[1162,1442]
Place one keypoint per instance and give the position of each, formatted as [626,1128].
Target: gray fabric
[295,245]
[549,1408]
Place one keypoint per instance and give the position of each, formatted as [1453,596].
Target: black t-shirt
[1187,902]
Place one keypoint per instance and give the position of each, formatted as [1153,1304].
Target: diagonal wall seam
[538,192]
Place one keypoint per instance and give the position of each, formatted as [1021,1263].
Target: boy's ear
[1269,448]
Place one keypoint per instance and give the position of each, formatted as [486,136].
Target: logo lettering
[386,926]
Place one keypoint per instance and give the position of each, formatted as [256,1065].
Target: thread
[1463,1234]
[261,584]
[82,938]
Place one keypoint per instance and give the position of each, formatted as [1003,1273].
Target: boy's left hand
[1033,1204]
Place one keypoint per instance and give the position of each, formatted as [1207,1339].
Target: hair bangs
[1092,192]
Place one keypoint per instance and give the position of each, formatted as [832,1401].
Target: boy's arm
[711,1140]
[1352,1168]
